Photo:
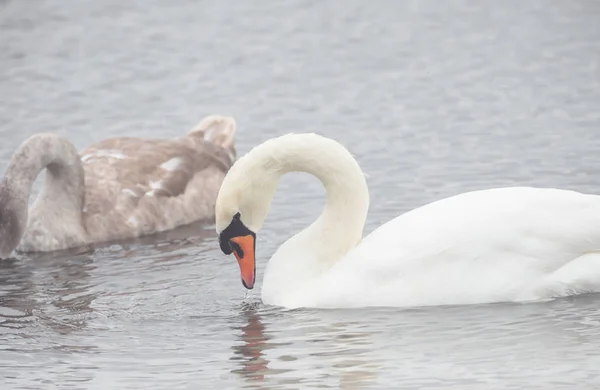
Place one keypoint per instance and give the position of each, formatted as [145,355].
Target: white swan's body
[506,244]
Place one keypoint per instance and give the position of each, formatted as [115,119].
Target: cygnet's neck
[340,226]
[61,199]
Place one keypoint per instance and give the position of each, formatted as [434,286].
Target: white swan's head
[246,192]
[245,195]
[243,203]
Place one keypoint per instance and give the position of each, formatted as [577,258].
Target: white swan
[506,244]
[116,189]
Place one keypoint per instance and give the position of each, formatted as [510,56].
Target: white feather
[172,164]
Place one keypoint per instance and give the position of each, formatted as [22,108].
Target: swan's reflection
[187,236]
[336,348]
[251,351]
[57,289]
[52,290]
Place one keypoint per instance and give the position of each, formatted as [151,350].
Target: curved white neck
[340,226]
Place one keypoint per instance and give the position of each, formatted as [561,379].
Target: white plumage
[505,244]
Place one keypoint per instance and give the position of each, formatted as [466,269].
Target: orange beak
[246,259]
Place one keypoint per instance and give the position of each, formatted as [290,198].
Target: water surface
[433,98]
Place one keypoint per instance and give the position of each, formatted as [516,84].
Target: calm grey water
[434,98]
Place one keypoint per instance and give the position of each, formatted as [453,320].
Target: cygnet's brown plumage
[118,188]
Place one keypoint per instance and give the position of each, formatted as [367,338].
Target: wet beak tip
[247,287]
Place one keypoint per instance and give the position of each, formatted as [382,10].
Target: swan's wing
[138,186]
[479,246]
[149,167]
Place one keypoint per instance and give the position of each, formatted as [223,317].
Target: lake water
[433,98]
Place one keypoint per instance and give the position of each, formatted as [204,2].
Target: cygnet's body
[118,188]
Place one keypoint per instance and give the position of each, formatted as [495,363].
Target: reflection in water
[251,352]
[63,287]
[341,350]
[55,291]
[196,231]
[352,361]
[344,346]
